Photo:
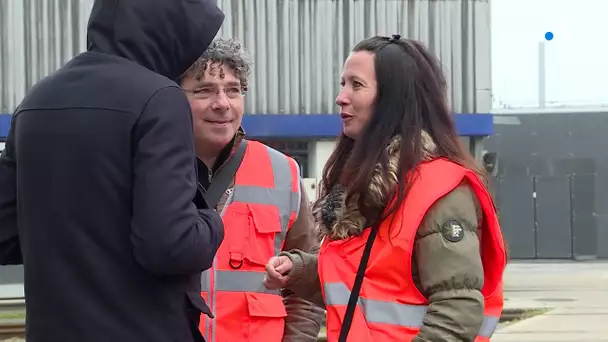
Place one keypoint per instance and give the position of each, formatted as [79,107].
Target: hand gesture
[277,271]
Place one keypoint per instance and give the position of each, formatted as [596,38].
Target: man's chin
[219,140]
[212,143]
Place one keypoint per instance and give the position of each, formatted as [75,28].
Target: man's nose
[221,102]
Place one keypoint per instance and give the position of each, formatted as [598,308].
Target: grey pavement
[8,291]
[576,292]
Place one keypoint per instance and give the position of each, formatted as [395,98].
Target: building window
[296,149]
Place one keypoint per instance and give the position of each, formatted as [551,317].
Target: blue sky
[576,58]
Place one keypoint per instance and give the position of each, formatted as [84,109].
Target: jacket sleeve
[304,277]
[447,257]
[303,321]
[169,234]
[10,250]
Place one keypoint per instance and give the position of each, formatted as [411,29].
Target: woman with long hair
[412,249]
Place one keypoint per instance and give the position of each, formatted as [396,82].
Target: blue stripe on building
[5,125]
[330,125]
[318,126]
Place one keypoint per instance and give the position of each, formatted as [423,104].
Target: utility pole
[542,77]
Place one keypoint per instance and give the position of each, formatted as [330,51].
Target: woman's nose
[342,99]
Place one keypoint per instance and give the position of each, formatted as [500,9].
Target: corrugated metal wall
[298,45]
[37,37]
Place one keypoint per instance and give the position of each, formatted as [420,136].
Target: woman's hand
[277,271]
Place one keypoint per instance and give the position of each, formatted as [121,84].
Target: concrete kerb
[12,304]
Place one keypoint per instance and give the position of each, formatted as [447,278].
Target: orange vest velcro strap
[237,281]
[392,313]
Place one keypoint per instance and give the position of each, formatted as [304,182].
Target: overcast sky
[576,58]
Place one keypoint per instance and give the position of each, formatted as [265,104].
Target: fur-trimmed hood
[339,220]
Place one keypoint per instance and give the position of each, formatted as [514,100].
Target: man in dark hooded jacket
[98,186]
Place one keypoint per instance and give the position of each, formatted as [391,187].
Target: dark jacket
[98,182]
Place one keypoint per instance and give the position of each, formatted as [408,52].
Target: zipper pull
[209,175]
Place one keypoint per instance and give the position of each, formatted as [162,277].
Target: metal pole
[542,79]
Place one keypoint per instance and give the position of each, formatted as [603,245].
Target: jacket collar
[339,220]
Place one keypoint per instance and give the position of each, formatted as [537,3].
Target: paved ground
[577,292]
[11,290]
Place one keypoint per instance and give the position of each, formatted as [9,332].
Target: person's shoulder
[143,80]
[278,155]
[100,81]
[126,76]
[461,200]
[272,151]
[457,210]
[462,196]
[140,90]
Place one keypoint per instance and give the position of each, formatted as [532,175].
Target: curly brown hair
[222,51]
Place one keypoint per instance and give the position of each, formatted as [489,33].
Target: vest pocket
[267,317]
[265,230]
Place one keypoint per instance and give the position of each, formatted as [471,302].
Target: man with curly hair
[259,194]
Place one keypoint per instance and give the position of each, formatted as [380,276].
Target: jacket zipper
[212,271]
[211,336]
[213,275]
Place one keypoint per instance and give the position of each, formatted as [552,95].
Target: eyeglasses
[204,93]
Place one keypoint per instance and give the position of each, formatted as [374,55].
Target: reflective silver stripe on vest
[237,281]
[296,205]
[490,323]
[406,315]
[281,196]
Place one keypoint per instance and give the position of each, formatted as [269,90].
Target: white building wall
[318,153]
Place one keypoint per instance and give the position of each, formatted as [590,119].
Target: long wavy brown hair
[411,98]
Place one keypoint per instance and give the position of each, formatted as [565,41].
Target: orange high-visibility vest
[390,306]
[262,206]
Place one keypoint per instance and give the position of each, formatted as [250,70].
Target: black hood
[165,36]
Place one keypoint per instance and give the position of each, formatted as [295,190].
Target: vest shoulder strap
[222,180]
[291,172]
[266,167]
